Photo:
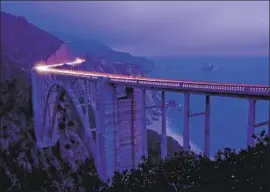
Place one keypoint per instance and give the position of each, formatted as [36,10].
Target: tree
[229,171]
[5,180]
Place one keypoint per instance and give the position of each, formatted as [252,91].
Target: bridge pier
[100,131]
[86,103]
[36,107]
[144,147]
[186,124]
[251,121]
[207,127]
[163,128]
[115,120]
[131,134]
[186,131]
[132,120]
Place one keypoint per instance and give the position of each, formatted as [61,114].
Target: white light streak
[41,67]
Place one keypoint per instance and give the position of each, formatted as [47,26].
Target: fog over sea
[229,116]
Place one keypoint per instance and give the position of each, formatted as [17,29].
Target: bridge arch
[87,137]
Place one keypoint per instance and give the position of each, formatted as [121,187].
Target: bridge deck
[261,92]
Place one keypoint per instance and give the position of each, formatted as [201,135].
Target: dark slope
[23,44]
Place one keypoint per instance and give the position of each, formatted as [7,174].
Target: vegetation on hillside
[25,167]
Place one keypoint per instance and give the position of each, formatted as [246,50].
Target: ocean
[229,116]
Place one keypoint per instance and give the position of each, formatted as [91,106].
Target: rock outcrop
[154,142]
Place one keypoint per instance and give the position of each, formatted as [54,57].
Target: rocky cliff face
[60,55]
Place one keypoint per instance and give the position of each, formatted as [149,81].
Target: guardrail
[201,86]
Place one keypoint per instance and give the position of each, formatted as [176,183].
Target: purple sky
[158,28]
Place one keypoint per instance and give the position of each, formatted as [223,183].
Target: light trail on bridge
[43,67]
[149,81]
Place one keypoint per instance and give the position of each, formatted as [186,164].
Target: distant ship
[208,67]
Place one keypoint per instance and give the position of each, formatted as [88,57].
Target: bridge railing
[262,90]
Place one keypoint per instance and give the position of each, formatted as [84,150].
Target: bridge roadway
[261,92]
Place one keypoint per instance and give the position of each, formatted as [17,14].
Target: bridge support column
[186,132]
[115,121]
[207,127]
[144,147]
[86,104]
[36,107]
[187,115]
[163,129]
[251,121]
[100,131]
[132,120]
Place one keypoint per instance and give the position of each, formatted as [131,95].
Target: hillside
[23,44]
[92,48]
